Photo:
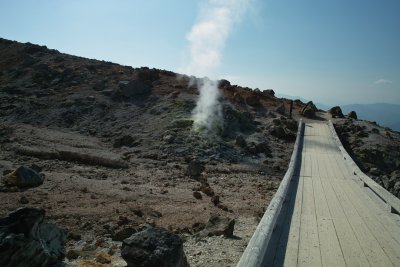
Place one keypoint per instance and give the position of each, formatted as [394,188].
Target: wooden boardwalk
[330,218]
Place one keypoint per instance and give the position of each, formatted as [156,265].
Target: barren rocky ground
[114,144]
[117,152]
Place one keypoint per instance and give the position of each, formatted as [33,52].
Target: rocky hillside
[107,149]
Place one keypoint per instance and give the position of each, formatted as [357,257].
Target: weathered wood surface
[330,218]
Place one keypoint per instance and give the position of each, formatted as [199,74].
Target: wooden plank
[369,244]
[385,237]
[389,220]
[331,252]
[309,252]
[351,248]
[305,169]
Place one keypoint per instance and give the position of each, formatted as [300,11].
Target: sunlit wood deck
[329,217]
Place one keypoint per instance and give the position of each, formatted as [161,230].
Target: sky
[333,52]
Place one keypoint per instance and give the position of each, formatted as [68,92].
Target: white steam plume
[207,40]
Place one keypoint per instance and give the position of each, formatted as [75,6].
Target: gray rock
[336,112]
[154,247]
[218,225]
[27,240]
[23,177]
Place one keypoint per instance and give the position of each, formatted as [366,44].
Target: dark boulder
[23,177]
[27,240]
[223,83]
[309,113]
[336,112]
[352,114]
[268,92]
[154,247]
[282,133]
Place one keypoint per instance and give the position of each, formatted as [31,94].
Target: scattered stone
[198,226]
[223,207]
[123,234]
[23,177]
[169,138]
[137,212]
[72,254]
[197,195]
[154,247]
[155,214]
[74,236]
[122,220]
[195,168]
[24,200]
[103,257]
[27,240]
[218,225]
[206,189]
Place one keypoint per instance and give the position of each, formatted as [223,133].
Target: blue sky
[332,52]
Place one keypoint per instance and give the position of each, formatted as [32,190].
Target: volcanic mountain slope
[114,144]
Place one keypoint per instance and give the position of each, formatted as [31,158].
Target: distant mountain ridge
[383,113]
